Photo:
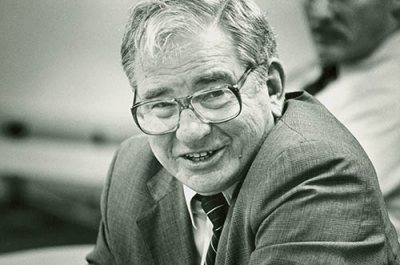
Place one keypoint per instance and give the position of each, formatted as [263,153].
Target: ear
[276,87]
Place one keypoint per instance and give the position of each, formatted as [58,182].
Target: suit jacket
[310,196]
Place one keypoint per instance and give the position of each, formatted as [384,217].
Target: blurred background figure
[358,46]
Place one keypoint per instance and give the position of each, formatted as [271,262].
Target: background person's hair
[154,24]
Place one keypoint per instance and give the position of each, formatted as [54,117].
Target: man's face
[196,63]
[347,30]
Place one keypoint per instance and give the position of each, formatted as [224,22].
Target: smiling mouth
[200,156]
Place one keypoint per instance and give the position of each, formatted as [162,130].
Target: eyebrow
[213,77]
[156,92]
[204,79]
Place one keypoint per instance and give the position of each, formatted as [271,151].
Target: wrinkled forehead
[188,58]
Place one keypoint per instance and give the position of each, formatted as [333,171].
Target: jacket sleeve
[102,252]
[323,206]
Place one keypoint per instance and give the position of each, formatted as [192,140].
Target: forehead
[187,60]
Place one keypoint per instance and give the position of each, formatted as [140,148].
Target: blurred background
[64,108]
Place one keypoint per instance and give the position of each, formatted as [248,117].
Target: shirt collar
[189,194]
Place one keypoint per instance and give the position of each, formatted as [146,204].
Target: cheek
[255,122]
[256,113]
[252,124]
[161,147]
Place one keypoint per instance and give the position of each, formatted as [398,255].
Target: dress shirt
[366,99]
[201,225]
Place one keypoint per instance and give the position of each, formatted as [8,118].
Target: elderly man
[230,170]
[358,42]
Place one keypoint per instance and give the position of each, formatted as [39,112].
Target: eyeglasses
[213,105]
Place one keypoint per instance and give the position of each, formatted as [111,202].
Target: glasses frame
[185,103]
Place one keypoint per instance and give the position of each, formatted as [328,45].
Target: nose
[191,129]
[319,9]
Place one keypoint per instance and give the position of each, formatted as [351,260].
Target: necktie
[216,208]
[328,74]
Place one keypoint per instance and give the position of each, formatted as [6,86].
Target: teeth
[199,156]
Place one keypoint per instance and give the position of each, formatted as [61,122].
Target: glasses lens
[158,117]
[216,105]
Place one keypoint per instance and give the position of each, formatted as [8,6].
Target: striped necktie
[216,207]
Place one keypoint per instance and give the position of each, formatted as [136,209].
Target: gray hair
[153,24]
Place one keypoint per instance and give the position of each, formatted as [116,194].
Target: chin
[207,184]
[209,190]
[210,180]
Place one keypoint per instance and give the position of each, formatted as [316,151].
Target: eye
[159,109]
[214,99]
[216,94]
[212,95]
[161,105]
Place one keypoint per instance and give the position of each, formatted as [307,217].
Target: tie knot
[216,207]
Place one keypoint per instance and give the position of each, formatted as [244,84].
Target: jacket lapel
[166,226]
